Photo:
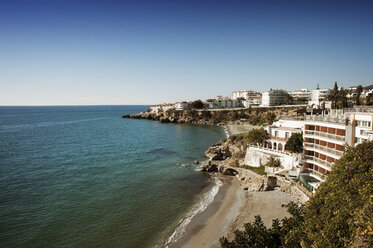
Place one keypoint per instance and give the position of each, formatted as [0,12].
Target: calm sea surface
[84,177]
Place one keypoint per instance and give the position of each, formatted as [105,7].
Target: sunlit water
[85,177]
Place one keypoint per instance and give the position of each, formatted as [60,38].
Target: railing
[327,135]
[324,162]
[315,172]
[324,148]
[279,138]
[326,118]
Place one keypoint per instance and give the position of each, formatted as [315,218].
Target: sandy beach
[232,207]
[230,210]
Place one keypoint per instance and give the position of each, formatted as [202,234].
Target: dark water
[83,177]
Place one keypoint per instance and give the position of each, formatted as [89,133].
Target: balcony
[324,148]
[327,118]
[318,175]
[326,135]
[318,160]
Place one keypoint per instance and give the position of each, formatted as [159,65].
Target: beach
[232,207]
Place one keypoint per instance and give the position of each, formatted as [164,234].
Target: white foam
[207,199]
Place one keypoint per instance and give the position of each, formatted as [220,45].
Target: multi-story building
[301,94]
[317,97]
[252,101]
[273,97]
[222,102]
[325,138]
[243,94]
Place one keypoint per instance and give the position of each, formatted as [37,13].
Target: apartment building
[325,139]
[273,97]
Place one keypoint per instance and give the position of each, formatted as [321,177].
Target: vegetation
[258,170]
[302,100]
[340,214]
[359,90]
[338,96]
[257,136]
[295,143]
[197,104]
[289,99]
[273,162]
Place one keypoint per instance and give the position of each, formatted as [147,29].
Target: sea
[82,176]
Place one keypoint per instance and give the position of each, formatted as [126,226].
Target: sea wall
[256,157]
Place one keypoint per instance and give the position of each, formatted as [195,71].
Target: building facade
[273,97]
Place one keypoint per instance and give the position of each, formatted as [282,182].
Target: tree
[273,162]
[286,233]
[289,99]
[257,136]
[198,104]
[333,96]
[295,143]
[271,117]
[359,90]
[341,212]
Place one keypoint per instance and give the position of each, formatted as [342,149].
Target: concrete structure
[259,156]
[279,134]
[317,97]
[273,97]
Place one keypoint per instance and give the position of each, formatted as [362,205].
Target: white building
[252,101]
[182,105]
[220,102]
[301,94]
[273,97]
[161,107]
[279,133]
[317,97]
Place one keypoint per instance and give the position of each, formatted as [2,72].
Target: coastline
[232,207]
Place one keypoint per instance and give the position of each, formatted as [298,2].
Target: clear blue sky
[144,52]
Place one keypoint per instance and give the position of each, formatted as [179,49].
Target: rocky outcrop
[260,183]
[217,117]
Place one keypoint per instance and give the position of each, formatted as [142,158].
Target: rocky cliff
[252,116]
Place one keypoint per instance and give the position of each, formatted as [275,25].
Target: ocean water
[81,176]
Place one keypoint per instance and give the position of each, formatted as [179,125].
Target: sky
[61,52]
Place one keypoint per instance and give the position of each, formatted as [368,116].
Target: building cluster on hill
[325,138]
[317,99]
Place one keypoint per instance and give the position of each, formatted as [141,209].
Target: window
[276,133]
[363,132]
[363,123]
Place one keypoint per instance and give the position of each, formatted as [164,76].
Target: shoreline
[208,226]
[232,207]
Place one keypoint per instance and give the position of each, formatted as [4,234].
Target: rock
[271,183]
[217,156]
[196,162]
[209,167]
[229,172]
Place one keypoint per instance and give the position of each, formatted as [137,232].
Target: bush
[340,214]
[198,104]
[295,143]
[273,162]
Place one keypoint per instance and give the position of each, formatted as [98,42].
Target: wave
[206,200]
